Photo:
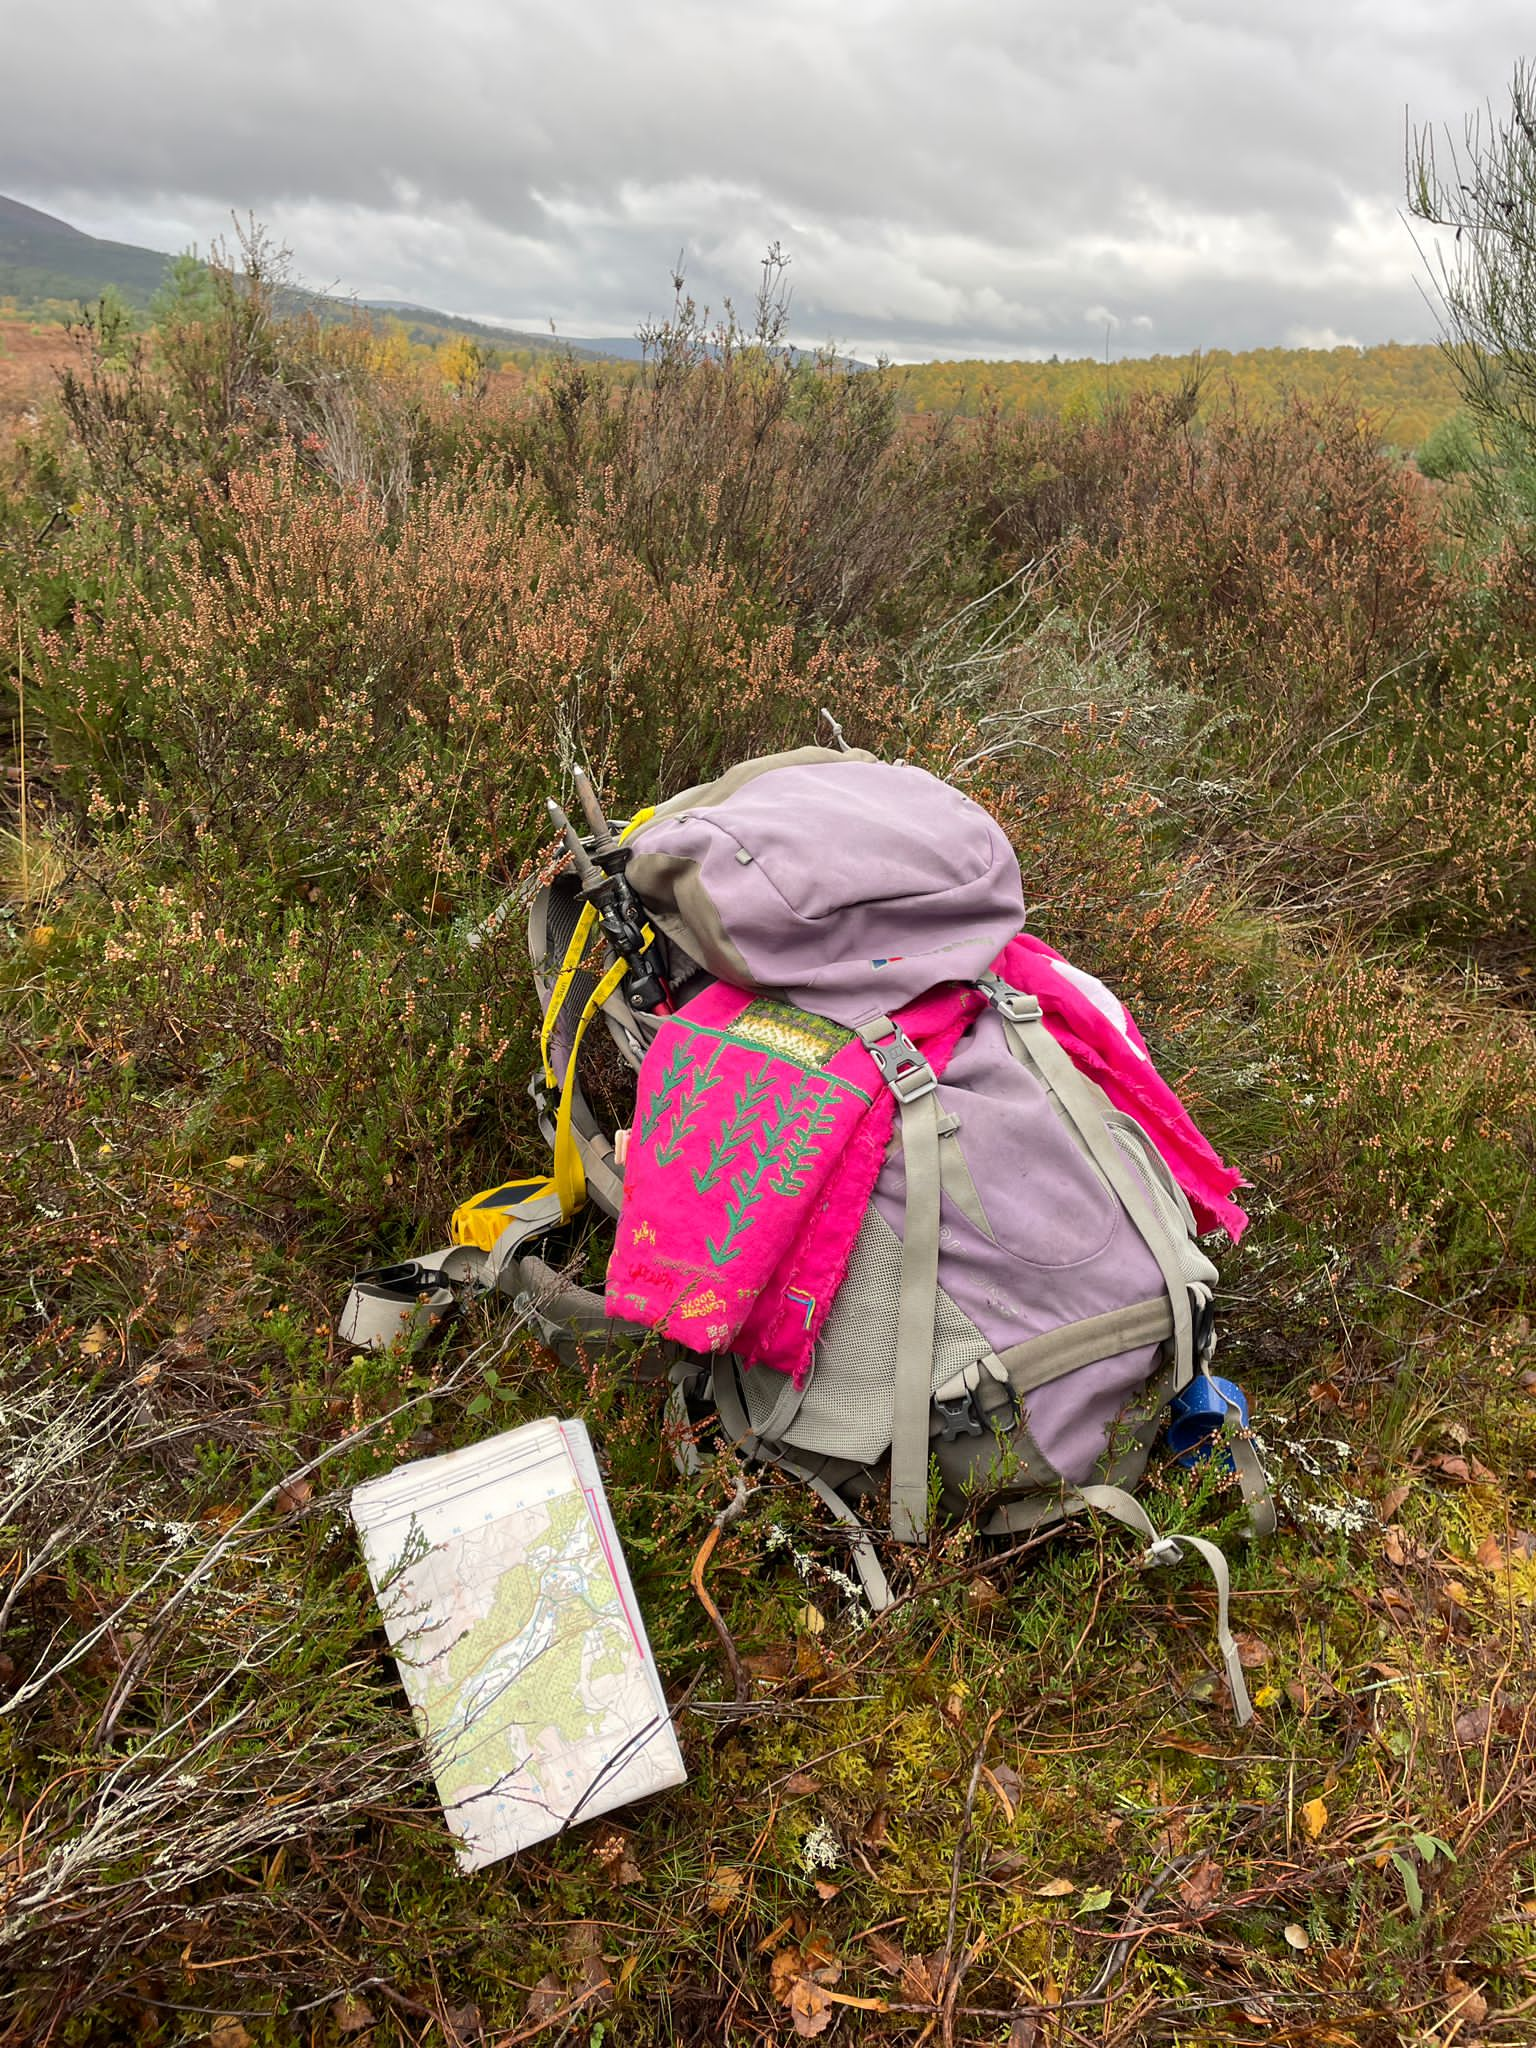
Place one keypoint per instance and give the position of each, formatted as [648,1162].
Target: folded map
[510,1611]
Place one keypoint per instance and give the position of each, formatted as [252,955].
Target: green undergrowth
[180,1253]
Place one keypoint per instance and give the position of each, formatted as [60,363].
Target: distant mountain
[45,264]
[42,258]
[423,324]
[625,348]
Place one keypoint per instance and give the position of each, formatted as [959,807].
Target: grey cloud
[978,175]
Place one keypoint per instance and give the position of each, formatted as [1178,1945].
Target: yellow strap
[563,979]
[570,1179]
[572,961]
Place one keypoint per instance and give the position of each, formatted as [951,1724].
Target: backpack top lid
[847,884]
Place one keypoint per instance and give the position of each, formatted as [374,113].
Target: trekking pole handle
[619,913]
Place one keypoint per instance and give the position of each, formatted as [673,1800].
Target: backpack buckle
[1011,1003]
[902,1067]
[958,1416]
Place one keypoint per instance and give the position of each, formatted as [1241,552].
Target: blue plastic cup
[1196,1417]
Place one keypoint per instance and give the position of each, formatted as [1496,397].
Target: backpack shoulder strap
[1111,1500]
[733,1414]
[912,1081]
[1031,1042]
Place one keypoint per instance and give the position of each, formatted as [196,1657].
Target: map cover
[509,1607]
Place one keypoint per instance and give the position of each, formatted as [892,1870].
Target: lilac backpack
[1025,1295]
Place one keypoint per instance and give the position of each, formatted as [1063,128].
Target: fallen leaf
[1314,1818]
[724,1888]
[1008,1786]
[94,1342]
[886,1954]
[826,1891]
[1252,1653]
[352,2014]
[770,1664]
[1467,2005]
[814,1622]
[922,1978]
[982,1594]
[811,2012]
[464,2025]
[953,1708]
[799,1783]
[1389,1503]
[544,2001]
[227,2032]
[783,1972]
[1206,1688]
[1473,1723]
[798,1979]
[1201,1882]
[1024,2033]
[1055,1888]
[1298,1937]
[1490,1554]
[1465,1471]
[294,1494]
[1094,1901]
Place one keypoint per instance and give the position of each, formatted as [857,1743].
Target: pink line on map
[615,1571]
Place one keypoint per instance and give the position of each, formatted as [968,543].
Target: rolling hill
[48,269]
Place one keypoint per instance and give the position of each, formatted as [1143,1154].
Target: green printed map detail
[528,1678]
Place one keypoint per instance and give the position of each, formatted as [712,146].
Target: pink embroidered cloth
[1094,1028]
[760,1130]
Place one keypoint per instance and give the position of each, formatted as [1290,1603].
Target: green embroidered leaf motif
[802,1147]
[747,1185]
[744,1114]
[666,1088]
[688,1107]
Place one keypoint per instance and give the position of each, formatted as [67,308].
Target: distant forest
[1404,391]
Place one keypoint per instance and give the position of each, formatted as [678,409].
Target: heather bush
[732,451]
[1282,561]
[384,705]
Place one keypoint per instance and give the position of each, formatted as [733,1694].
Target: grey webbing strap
[527,1219]
[1110,1500]
[1039,1360]
[911,1080]
[955,1177]
[1030,1040]
[1252,1479]
[738,1424]
[377,1312]
[394,1300]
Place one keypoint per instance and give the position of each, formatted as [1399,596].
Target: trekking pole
[600,871]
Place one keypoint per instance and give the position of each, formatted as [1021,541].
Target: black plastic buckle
[1204,1331]
[958,1417]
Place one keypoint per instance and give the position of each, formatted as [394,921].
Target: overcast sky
[949,177]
